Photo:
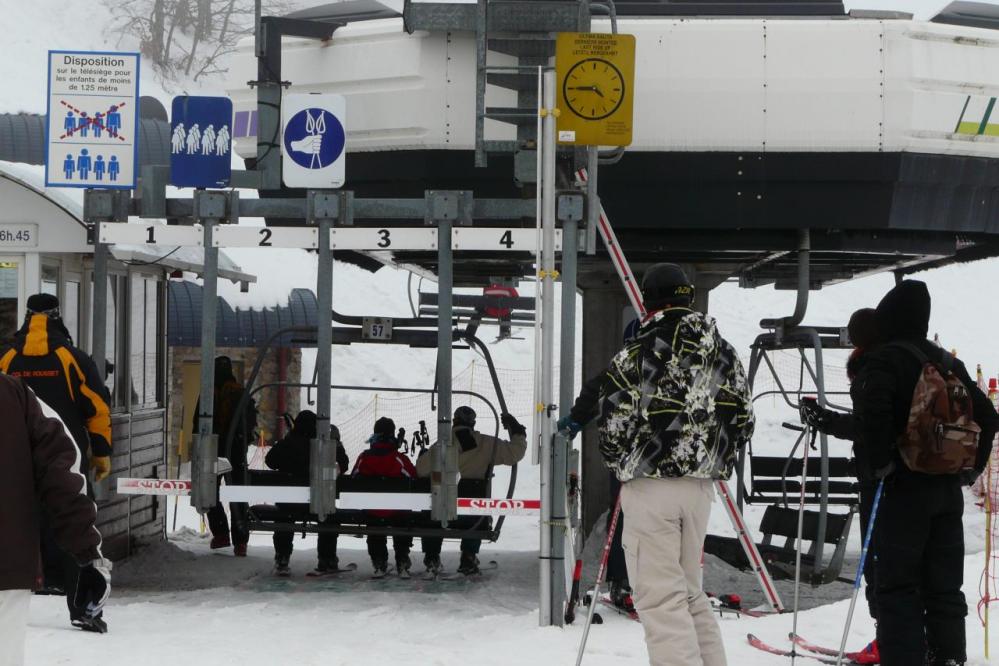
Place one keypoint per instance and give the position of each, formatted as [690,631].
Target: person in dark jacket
[291,456]
[42,466]
[228,393]
[67,380]
[919,526]
[865,337]
[384,459]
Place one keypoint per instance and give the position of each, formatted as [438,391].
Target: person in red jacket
[384,459]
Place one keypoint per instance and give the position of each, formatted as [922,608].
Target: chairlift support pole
[209,209]
[551,570]
[444,472]
[322,208]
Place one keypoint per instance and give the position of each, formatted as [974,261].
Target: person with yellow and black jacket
[67,380]
[65,377]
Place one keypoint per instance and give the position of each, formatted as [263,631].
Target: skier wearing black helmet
[477,453]
[675,408]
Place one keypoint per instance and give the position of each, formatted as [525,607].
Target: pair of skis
[317,574]
[457,575]
[811,651]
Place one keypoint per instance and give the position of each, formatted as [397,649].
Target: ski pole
[600,577]
[860,570]
[577,573]
[801,526]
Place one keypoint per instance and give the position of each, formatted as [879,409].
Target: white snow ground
[177,602]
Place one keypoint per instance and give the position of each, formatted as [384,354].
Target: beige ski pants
[664,528]
[13,624]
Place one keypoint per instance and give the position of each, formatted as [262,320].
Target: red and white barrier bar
[154,487]
[469,506]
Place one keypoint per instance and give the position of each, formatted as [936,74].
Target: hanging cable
[139,262]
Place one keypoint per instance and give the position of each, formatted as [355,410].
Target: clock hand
[593,88]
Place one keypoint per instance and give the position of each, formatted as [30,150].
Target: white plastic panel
[118,233]
[934,72]
[823,85]
[499,239]
[388,238]
[699,84]
[787,85]
[289,237]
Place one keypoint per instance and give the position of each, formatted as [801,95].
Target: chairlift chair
[419,333]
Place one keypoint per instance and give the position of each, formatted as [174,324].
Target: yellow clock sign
[595,74]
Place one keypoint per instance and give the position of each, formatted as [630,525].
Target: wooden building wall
[126,521]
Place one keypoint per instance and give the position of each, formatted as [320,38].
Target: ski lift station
[771,143]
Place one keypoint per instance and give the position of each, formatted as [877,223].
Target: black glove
[818,418]
[512,425]
[93,587]
[969,476]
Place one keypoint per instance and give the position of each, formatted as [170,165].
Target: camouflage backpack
[940,436]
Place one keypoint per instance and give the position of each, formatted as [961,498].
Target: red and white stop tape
[154,487]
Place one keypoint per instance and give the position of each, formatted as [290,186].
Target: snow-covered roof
[190,259]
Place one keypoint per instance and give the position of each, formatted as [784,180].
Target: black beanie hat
[666,284]
[863,328]
[904,312]
[464,416]
[305,423]
[46,304]
[385,427]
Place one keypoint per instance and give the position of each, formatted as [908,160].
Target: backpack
[940,436]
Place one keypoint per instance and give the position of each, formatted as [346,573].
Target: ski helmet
[664,285]
[464,416]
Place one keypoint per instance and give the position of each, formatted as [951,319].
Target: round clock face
[593,89]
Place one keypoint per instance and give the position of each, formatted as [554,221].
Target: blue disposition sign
[201,141]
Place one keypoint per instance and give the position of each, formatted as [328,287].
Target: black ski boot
[95,624]
[620,595]
[281,565]
[327,565]
[402,565]
[469,564]
[380,567]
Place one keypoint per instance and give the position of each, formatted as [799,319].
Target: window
[143,339]
[114,341]
[70,309]
[50,280]
[9,291]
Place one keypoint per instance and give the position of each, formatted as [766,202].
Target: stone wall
[268,422]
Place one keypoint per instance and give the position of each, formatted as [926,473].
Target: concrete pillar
[604,303]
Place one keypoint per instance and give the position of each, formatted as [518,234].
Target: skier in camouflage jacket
[675,407]
[676,402]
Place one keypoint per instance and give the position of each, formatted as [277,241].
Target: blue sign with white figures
[200,141]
